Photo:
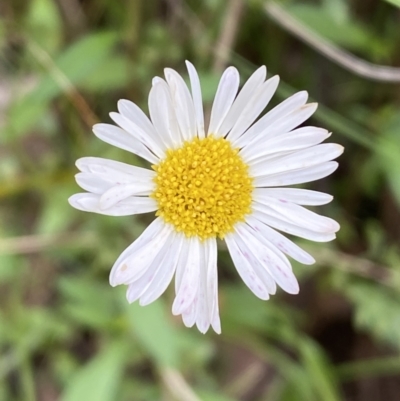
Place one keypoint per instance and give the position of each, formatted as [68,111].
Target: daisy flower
[227,181]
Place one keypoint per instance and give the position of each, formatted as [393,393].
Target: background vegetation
[65,334]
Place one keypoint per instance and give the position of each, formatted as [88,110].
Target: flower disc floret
[203,188]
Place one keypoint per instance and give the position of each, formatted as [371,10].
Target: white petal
[134,267]
[165,272]
[244,268]
[143,281]
[121,139]
[278,267]
[212,284]
[298,160]
[298,176]
[256,147]
[92,183]
[148,138]
[138,287]
[156,80]
[290,228]
[113,171]
[136,259]
[297,215]
[189,315]
[151,232]
[226,92]
[100,175]
[280,241]
[183,104]
[294,195]
[197,98]
[134,205]
[122,191]
[216,323]
[262,273]
[203,312]
[135,114]
[163,115]
[182,263]
[190,279]
[254,107]
[267,122]
[158,275]
[98,185]
[295,140]
[204,309]
[245,95]
[269,158]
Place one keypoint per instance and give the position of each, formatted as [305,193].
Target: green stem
[388,366]
[27,381]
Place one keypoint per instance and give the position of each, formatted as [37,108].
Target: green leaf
[390,163]
[373,367]
[376,310]
[332,26]
[319,371]
[88,302]
[296,381]
[57,213]
[86,56]
[77,63]
[112,74]
[244,311]
[44,24]
[394,2]
[11,266]
[338,9]
[387,150]
[155,332]
[100,378]
[214,396]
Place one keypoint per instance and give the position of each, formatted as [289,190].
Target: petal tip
[115,276]
[231,73]
[96,127]
[72,200]
[275,78]
[309,261]
[189,64]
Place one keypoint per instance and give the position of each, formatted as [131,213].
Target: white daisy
[225,182]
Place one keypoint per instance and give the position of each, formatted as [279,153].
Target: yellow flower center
[203,188]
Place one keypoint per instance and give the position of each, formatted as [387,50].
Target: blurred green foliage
[65,334]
